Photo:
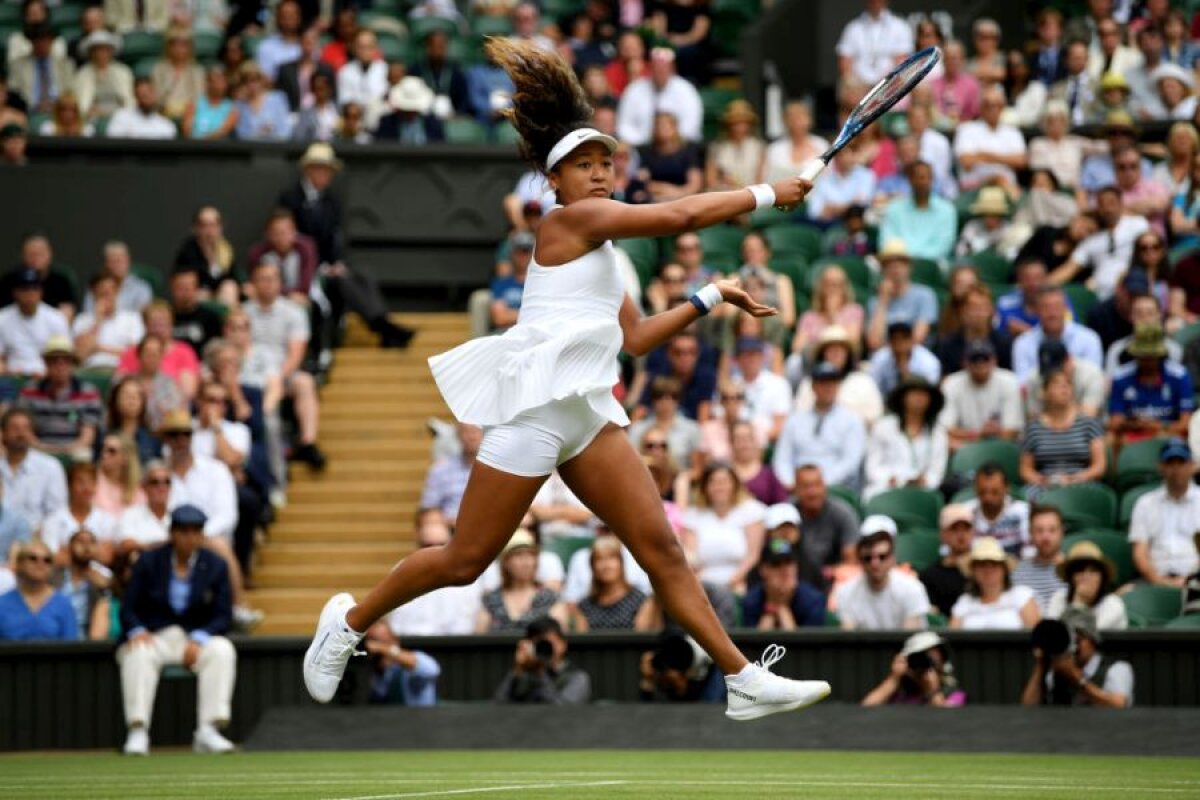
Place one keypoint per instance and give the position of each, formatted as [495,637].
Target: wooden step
[363,469]
[289,624]
[337,516]
[360,494]
[322,576]
[302,601]
[392,532]
[291,554]
[370,409]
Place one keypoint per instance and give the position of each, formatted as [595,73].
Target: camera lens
[543,649]
[920,662]
[1051,637]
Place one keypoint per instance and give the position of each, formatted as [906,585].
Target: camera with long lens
[919,662]
[543,650]
[1053,638]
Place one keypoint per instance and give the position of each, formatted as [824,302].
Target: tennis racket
[897,83]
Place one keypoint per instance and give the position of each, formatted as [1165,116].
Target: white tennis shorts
[536,441]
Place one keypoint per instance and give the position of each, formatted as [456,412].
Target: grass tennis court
[576,775]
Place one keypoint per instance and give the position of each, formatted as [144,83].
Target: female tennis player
[543,390]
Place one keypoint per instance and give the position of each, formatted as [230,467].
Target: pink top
[179,358]
[108,496]
[714,438]
[812,324]
[1146,189]
[958,98]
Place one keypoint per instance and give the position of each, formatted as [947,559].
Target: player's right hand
[790,192]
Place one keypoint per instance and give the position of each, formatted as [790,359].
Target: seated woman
[674,484]
[611,604]
[1090,577]
[724,529]
[992,602]
[520,598]
[776,289]
[734,159]
[670,167]
[126,416]
[716,433]
[178,79]
[832,304]
[178,361]
[683,434]
[66,119]
[907,447]
[750,467]
[1061,446]
[212,114]
[119,482]
[789,154]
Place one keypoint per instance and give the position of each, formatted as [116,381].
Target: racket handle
[812,169]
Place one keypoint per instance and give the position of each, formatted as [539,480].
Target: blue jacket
[147,599]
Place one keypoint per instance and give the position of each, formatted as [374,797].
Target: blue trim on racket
[885,94]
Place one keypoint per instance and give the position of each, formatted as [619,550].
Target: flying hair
[548,102]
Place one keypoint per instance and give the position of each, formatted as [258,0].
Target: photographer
[1070,670]
[677,670]
[541,673]
[921,675]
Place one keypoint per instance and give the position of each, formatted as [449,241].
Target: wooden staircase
[344,528]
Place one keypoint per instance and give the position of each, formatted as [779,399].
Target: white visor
[574,139]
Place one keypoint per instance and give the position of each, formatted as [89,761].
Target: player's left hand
[733,293]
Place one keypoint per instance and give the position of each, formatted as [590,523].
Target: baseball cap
[920,642]
[1052,354]
[188,516]
[980,349]
[899,326]
[778,551]
[825,371]
[1174,448]
[878,523]
[955,512]
[26,277]
[749,344]
[781,514]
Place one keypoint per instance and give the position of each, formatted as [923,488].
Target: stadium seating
[909,506]
[970,457]
[722,245]
[992,267]
[1082,299]
[849,497]
[643,253]
[567,546]
[1187,621]
[1113,544]
[1087,505]
[1129,500]
[927,273]
[1151,605]
[1138,464]
[791,240]
[919,550]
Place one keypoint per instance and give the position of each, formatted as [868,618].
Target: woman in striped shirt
[1061,446]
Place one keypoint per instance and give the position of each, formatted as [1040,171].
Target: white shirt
[935,151]
[209,486]
[891,455]
[767,396]
[363,86]
[1168,525]
[1004,614]
[1110,611]
[549,570]
[278,325]
[1081,342]
[131,123]
[1108,253]
[449,611]
[901,599]
[722,542]
[874,44]
[579,575]
[554,492]
[976,136]
[141,525]
[204,441]
[642,100]
[61,525]
[1010,527]
[22,338]
[835,441]
[122,330]
[969,405]
[36,488]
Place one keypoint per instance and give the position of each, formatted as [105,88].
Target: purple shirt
[766,488]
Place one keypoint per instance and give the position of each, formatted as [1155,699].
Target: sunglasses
[36,559]
[173,434]
[873,557]
[158,482]
[654,445]
[110,451]
[1150,246]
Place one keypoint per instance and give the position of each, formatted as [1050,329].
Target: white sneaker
[331,648]
[137,743]
[246,619]
[208,740]
[757,692]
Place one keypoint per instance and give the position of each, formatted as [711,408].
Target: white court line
[484,789]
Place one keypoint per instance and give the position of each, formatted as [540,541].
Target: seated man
[983,401]
[829,524]
[541,672]
[66,412]
[293,253]
[508,289]
[782,602]
[142,527]
[1040,571]
[1081,675]
[902,357]
[34,611]
[684,363]
[1053,323]
[406,677]
[36,255]
[1143,308]
[558,513]
[35,485]
[945,581]
[768,396]
[899,299]
[85,582]
[27,325]
[447,478]
[1165,520]
[829,435]
[882,597]
[1153,396]
[193,323]
[996,513]
[175,609]
[104,331]
[133,293]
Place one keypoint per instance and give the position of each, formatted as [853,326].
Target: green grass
[577,775]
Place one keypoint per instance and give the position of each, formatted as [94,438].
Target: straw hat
[1086,553]
[177,420]
[1114,80]
[991,202]
[894,249]
[739,111]
[521,540]
[58,346]
[320,154]
[986,549]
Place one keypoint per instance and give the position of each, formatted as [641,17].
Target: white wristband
[764,195]
[710,296]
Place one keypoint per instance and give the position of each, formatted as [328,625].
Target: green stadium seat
[856,269]
[1087,505]
[144,66]
[1129,500]
[927,273]
[1185,335]
[491,26]
[136,45]
[919,550]
[465,51]
[793,265]
[557,9]
[66,271]
[393,48]
[250,42]
[206,44]
[643,253]
[1150,606]
[970,457]
[849,496]
[1138,464]
[832,620]
[102,379]
[420,27]
[1082,299]
[10,17]
[715,99]
[968,493]
[744,10]
[763,218]
[465,130]
[65,14]
[505,133]
[152,276]
[1114,545]
[936,619]
[724,241]
[568,546]
[991,266]
[909,506]
[1186,621]
[727,35]
[216,307]
[802,240]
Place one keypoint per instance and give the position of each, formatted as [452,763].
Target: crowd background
[973,410]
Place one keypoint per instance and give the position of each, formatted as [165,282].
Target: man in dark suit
[318,213]
[177,605]
[295,77]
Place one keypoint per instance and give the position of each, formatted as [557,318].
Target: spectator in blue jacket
[782,602]
[1153,396]
[35,610]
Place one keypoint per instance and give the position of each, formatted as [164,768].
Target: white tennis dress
[552,372]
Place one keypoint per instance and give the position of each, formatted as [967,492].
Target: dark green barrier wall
[60,696]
